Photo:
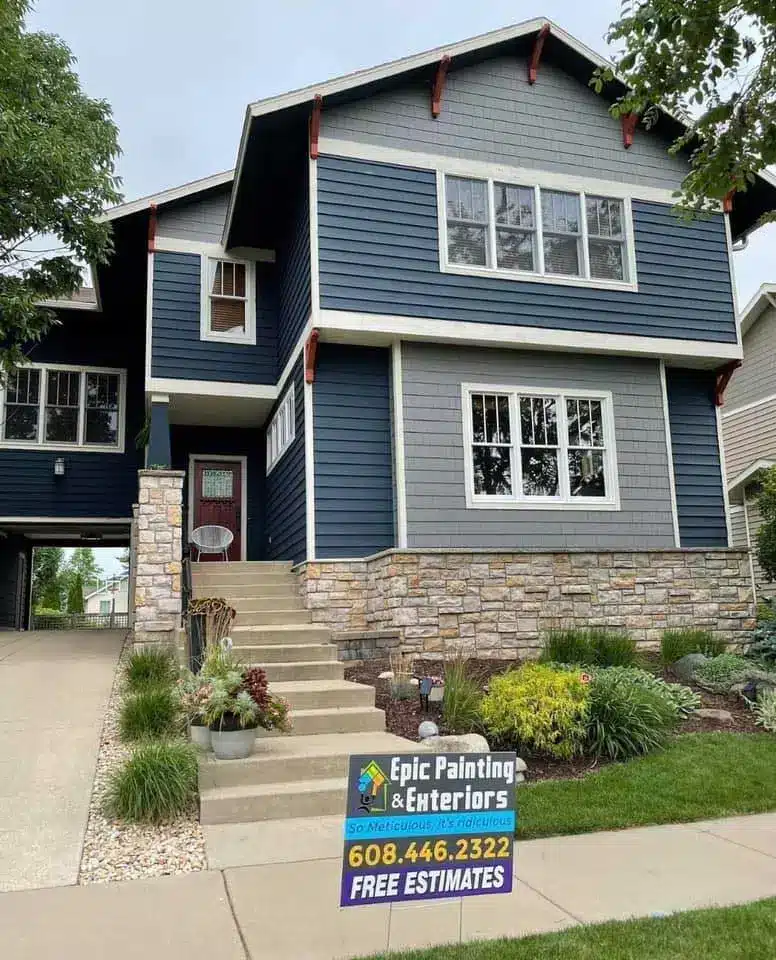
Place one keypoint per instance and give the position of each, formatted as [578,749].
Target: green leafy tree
[57,153]
[713,63]
[47,581]
[75,594]
[766,535]
[83,564]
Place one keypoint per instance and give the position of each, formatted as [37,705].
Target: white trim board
[206,334]
[762,298]
[227,458]
[748,406]
[723,474]
[670,454]
[216,250]
[212,388]
[167,196]
[309,469]
[397,391]
[315,284]
[389,327]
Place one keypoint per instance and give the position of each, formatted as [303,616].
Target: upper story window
[524,231]
[228,300]
[55,407]
[537,448]
[282,429]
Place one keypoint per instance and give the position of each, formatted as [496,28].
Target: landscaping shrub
[765,612]
[567,646]
[684,699]
[763,645]
[155,712]
[764,711]
[602,648]
[157,783]
[676,644]
[150,668]
[611,649]
[719,674]
[626,718]
[537,708]
[462,697]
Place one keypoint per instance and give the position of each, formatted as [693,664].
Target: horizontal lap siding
[286,509]
[697,470]
[178,351]
[379,253]
[749,436]
[437,515]
[490,113]
[757,377]
[353,457]
[294,277]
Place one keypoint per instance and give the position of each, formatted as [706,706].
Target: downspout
[749,545]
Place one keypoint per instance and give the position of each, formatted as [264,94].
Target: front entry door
[218,499]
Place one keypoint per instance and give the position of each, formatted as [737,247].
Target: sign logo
[372,788]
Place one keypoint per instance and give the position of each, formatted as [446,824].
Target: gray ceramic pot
[200,736]
[233,744]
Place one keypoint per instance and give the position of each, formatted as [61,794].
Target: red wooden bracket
[315,126]
[536,53]
[723,379]
[629,123]
[310,355]
[439,86]
[727,201]
[151,227]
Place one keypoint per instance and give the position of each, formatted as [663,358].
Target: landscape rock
[685,668]
[709,713]
[385,675]
[754,685]
[460,743]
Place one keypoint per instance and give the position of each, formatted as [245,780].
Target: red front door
[218,500]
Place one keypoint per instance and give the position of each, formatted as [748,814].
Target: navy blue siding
[229,441]
[159,436]
[294,277]
[379,253]
[177,350]
[285,489]
[699,496]
[353,457]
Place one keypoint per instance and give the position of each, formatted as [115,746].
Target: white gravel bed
[119,851]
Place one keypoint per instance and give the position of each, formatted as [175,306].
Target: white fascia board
[167,196]
[212,388]
[751,470]
[70,305]
[765,296]
[390,327]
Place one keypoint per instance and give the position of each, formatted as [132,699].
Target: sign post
[422,826]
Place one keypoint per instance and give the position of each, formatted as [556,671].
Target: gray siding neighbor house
[441,316]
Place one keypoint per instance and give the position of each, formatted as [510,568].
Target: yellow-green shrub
[539,708]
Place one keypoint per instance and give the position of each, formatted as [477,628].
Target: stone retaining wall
[502,604]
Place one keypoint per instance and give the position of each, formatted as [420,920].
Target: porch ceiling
[199,411]
[74,533]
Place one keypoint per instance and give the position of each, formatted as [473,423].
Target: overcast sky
[179,73]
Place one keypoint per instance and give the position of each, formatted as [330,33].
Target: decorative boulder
[709,713]
[460,743]
[685,668]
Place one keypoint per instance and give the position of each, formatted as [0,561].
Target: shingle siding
[697,470]
[437,515]
[379,253]
[286,510]
[177,350]
[201,220]
[354,513]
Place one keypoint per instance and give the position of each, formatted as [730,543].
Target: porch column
[159,433]
[158,568]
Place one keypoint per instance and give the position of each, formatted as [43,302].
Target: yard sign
[421,826]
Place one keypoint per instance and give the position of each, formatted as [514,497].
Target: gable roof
[117,581]
[168,196]
[764,298]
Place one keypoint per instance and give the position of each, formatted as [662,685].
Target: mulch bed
[403,717]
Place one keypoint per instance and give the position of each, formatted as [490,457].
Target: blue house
[439,305]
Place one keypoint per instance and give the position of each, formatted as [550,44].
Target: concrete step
[238,592]
[336,720]
[243,566]
[286,653]
[320,694]
[256,635]
[279,616]
[222,585]
[259,603]
[305,670]
[290,759]
[274,801]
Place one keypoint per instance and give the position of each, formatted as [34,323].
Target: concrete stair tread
[272,789]
[328,711]
[276,628]
[324,745]
[283,688]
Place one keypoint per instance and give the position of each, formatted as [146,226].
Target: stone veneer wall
[157,599]
[497,604]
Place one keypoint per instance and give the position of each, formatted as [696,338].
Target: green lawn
[698,777]
[732,933]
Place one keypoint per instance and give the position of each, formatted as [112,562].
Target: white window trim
[536,276]
[79,447]
[517,500]
[286,406]
[205,333]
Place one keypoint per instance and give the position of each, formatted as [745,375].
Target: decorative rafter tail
[723,375]
[536,53]
[315,126]
[310,355]
[439,86]
[629,123]
[727,201]
[151,227]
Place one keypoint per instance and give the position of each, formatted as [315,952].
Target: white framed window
[105,606]
[523,231]
[544,448]
[228,300]
[282,429]
[58,407]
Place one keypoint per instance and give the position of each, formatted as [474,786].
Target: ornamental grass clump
[157,783]
[764,710]
[675,644]
[150,668]
[462,697]
[603,648]
[148,714]
[537,708]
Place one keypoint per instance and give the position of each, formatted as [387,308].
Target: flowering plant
[274,716]
[194,693]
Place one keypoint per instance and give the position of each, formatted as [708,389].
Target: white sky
[179,73]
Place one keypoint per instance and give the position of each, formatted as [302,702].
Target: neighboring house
[749,423]
[440,304]
[111,597]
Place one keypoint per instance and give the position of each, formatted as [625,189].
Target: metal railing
[79,621]
[194,626]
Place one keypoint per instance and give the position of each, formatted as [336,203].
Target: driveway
[54,687]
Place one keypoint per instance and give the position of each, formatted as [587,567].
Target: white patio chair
[212,539]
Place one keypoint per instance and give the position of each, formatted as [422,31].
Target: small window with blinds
[229,306]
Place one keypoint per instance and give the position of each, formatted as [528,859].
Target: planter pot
[200,736]
[233,744]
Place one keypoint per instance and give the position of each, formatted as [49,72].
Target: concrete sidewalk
[260,901]
[54,687]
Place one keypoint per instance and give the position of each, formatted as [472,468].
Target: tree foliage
[57,154]
[75,594]
[712,63]
[83,563]
[766,535]
[47,589]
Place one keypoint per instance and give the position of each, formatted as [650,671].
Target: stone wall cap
[162,473]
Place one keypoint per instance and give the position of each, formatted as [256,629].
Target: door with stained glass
[218,499]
